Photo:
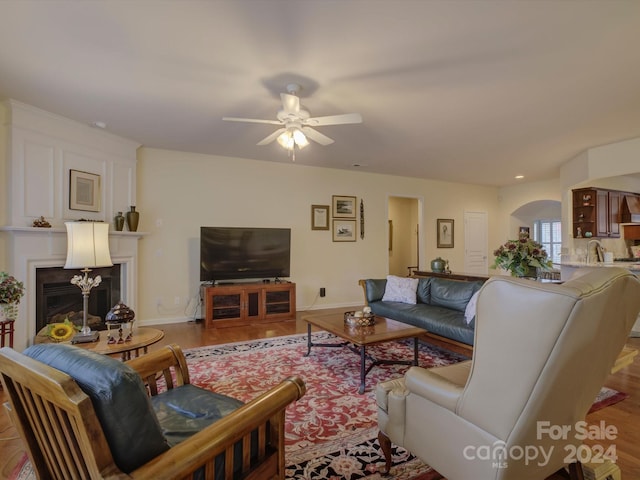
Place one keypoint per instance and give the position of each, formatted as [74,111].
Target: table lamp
[87,248]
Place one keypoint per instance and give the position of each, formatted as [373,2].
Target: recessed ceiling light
[99,125]
[519,177]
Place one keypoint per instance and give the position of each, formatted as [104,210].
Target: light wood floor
[625,416]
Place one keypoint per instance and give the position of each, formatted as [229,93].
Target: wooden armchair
[65,439]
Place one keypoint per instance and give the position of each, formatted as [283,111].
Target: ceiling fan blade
[290,103]
[334,119]
[316,136]
[271,137]
[252,120]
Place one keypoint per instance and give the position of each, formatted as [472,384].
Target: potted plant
[522,257]
[11,291]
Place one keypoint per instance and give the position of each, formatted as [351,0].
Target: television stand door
[247,303]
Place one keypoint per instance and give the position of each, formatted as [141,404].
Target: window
[549,234]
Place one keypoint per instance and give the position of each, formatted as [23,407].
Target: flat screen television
[236,253]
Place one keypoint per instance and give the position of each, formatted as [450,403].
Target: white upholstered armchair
[541,354]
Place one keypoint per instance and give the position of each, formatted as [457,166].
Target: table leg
[363,373]
[308,339]
[415,351]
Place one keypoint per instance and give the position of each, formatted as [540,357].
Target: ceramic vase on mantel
[132,219]
[118,222]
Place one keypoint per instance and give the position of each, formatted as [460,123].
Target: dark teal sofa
[440,307]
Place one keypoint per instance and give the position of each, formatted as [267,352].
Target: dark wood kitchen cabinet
[596,211]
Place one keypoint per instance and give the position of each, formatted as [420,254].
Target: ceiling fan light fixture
[285,139]
[293,137]
[296,126]
[300,138]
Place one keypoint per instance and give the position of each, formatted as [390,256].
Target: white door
[475,243]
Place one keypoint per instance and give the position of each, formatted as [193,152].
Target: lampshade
[87,245]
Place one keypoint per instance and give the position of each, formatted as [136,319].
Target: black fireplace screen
[57,298]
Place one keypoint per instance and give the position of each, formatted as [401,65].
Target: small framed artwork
[344,230]
[523,232]
[319,217]
[445,233]
[84,191]
[344,207]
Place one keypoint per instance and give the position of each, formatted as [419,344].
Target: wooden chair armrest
[161,363]
[363,284]
[264,413]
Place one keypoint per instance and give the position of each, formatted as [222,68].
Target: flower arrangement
[520,256]
[11,290]
[61,332]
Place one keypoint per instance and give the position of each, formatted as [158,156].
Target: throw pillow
[400,289]
[470,311]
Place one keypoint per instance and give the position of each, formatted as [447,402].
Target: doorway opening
[405,235]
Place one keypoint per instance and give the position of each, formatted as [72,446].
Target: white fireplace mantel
[32,248]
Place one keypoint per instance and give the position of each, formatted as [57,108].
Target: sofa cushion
[374,289]
[423,292]
[452,294]
[400,289]
[439,320]
[118,397]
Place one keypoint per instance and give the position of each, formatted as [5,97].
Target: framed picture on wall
[319,217]
[344,230]
[84,191]
[524,232]
[445,233]
[344,206]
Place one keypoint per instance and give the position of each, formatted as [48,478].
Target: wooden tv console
[246,303]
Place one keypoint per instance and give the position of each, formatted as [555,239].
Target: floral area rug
[331,432]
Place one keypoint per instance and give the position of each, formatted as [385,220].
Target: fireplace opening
[57,298]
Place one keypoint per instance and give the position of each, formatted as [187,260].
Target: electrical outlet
[176,301]
[323,291]
[158,301]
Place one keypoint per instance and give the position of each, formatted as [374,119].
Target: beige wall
[179,192]
[4,203]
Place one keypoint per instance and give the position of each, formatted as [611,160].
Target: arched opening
[542,219]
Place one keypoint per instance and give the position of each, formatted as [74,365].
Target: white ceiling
[465,91]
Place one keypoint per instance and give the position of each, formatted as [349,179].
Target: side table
[6,330]
[142,338]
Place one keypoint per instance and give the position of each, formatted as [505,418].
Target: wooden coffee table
[141,339]
[384,330]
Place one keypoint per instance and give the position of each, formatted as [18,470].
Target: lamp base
[86,338]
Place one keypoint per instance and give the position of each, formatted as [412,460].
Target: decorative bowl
[363,320]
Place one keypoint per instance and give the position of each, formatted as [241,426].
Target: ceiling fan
[296,122]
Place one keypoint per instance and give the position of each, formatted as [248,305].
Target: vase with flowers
[522,257]
[11,291]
